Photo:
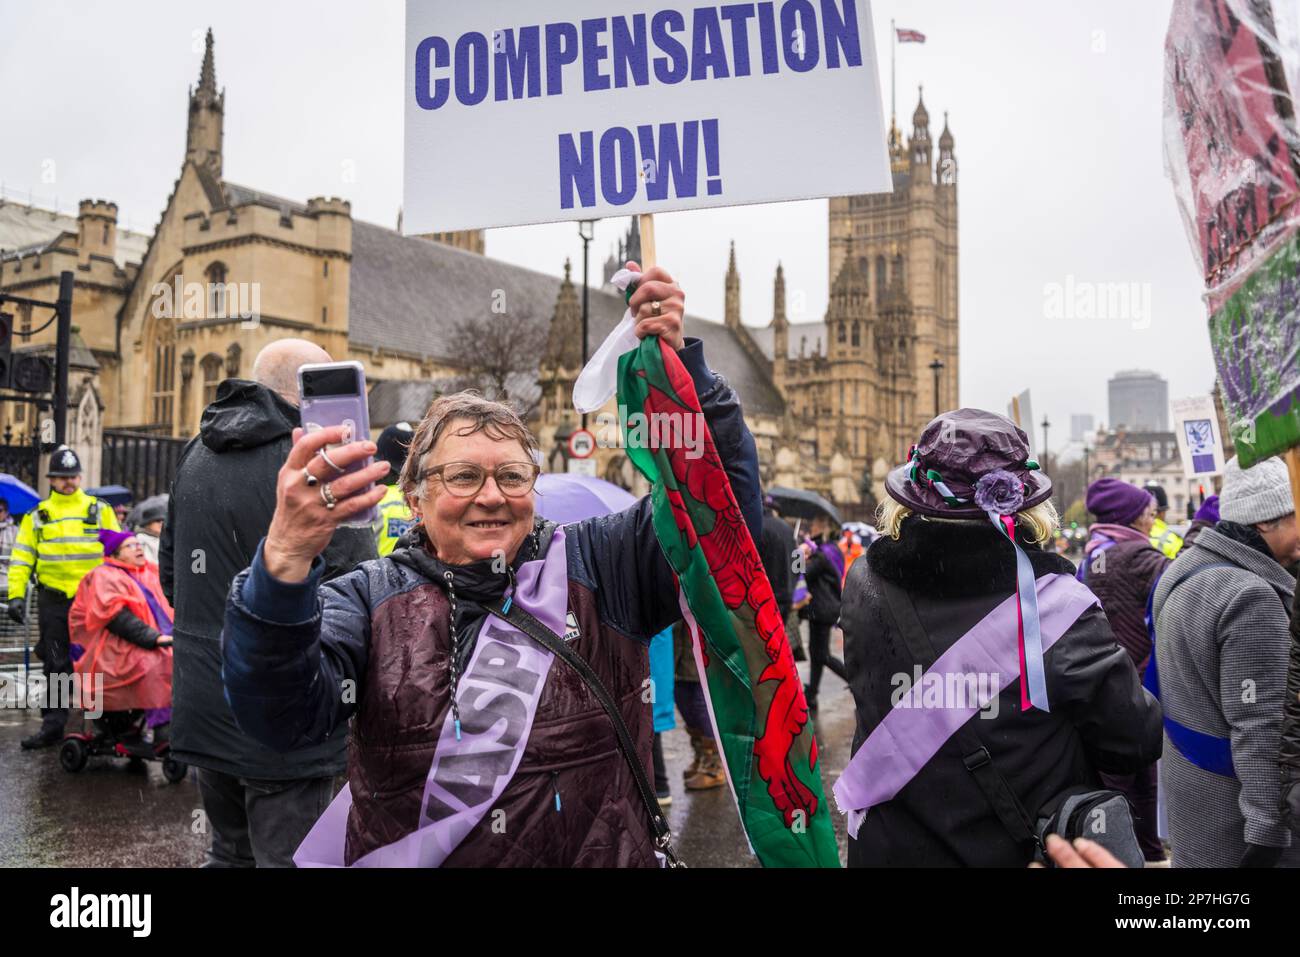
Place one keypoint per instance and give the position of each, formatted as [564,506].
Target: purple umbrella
[564,497]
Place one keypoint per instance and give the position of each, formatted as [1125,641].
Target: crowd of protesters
[250,630]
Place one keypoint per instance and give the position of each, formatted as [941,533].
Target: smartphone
[334,393]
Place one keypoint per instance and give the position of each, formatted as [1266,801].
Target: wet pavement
[111,815]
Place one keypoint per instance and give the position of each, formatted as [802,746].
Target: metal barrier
[18,642]
[144,463]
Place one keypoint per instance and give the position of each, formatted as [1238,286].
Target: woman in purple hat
[987,680]
[1121,567]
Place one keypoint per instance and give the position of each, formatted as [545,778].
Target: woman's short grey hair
[477,414]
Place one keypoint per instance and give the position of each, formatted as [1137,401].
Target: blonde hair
[1039,523]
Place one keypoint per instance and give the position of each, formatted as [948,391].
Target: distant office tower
[1081,426]
[1139,400]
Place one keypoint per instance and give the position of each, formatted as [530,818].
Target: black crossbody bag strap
[530,626]
[975,756]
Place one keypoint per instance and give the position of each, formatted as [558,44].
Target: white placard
[557,110]
[1196,427]
[582,467]
[1020,410]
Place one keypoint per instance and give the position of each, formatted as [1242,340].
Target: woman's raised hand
[303,522]
[656,286]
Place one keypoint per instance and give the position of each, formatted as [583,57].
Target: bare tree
[499,353]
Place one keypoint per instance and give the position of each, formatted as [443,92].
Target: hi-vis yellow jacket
[1165,540]
[394,519]
[59,538]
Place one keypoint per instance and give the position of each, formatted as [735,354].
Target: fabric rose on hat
[1000,492]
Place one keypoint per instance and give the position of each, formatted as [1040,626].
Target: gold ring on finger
[656,308]
[311,480]
[327,496]
[330,462]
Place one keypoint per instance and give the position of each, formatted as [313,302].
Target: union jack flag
[910,36]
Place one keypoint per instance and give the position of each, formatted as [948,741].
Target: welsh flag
[754,693]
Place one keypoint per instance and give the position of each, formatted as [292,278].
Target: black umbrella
[799,503]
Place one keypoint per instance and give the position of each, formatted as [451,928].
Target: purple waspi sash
[912,732]
[498,696]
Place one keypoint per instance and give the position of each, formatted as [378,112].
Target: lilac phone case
[352,411]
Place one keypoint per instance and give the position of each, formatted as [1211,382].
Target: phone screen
[323,383]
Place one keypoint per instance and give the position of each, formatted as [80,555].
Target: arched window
[839,331]
[164,375]
[216,291]
[857,333]
[233,356]
[213,366]
[881,278]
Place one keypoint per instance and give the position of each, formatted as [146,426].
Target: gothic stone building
[162,318]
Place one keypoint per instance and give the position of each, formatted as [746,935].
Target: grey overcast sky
[1055,108]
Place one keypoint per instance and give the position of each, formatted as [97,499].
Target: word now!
[615,52]
[669,163]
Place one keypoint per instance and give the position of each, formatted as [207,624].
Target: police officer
[1163,538]
[59,539]
[394,514]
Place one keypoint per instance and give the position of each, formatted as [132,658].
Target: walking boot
[42,739]
[697,739]
[710,775]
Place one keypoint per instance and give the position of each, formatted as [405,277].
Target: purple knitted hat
[1209,511]
[1115,502]
[112,540]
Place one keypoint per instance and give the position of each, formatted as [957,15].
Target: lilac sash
[913,732]
[498,696]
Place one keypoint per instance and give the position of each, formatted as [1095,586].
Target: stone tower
[203,136]
[848,338]
[912,232]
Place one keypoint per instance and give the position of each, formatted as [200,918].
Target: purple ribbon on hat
[1001,495]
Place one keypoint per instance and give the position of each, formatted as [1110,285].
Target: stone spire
[780,324]
[947,172]
[564,338]
[920,142]
[204,133]
[732,308]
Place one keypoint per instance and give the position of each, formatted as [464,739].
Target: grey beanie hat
[1260,493]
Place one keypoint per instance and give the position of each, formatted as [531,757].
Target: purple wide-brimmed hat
[968,463]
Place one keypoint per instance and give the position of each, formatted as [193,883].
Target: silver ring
[656,308]
[327,496]
[330,462]
[312,481]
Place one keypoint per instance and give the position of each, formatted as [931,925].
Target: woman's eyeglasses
[464,479]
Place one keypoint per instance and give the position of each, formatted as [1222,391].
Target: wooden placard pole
[647,228]
[1292,457]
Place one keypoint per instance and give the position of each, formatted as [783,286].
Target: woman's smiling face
[482,525]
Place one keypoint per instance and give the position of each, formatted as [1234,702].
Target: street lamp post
[1087,473]
[1046,426]
[587,232]
[936,367]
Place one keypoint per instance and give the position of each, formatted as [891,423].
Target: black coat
[776,550]
[221,504]
[823,580]
[1101,718]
